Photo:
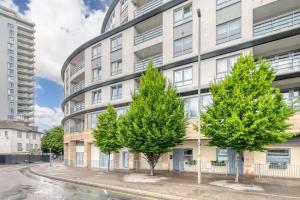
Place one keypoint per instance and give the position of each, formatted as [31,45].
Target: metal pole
[50,158]
[199,94]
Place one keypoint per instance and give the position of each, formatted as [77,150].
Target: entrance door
[232,162]
[125,159]
[178,160]
[79,159]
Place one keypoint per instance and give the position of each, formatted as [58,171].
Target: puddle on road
[37,188]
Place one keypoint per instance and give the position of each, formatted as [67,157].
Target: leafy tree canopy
[54,139]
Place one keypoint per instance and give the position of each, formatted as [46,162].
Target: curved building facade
[107,68]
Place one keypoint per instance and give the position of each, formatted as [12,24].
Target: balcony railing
[25,71]
[25,77]
[142,65]
[147,7]
[26,102]
[25,65]
[77,107]
[148,35]
[25,33]
[26,53]
[277,24]
[26,83]
[76,128]
[27,96]
[27,108]
[285,63]
[23,39]
[26,59]
[77,87]
[294,102]
[76,68]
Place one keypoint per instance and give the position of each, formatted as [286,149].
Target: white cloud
[61,27]
[46,117]
[39,87]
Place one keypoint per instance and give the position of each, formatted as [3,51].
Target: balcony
[26,71]
[26,59]
[285,63]
[25,77]
[25,108]
[26,90]
[277,24]
[148,35]
[25,53]
[24,96]
[25,102]
[26,83]
[147,7]
[26,40]
[77,128]
[142,64]
[25,34]
[26,46]
[77,87]
[25,65]
[76,67]
[77,107]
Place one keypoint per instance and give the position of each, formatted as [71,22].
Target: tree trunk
[237,163]
[108,163]
[151,170]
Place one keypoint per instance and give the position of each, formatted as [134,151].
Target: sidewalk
[168,186]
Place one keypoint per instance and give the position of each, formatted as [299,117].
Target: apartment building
[106,69]
[18,138]
[16,67]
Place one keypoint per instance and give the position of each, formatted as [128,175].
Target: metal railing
[31,41]
[26,83]
[26,71]
[26,53]
[26,58]
[30,47]
[147,7]
[21,95]
[25,65]
[277,24]
[77,87]
[277,170]
[76,68]
[142,65]
[148,35]
[25,108]
[25,33]
[76,128]
[26,77]
[77,107]
[28,102]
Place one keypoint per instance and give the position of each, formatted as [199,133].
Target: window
[116,92]
[11,39]
[9,25]
[27,147]
[116,67]
[96,51]
[191,107]
[19,147]
[10,46]
[96,63]
[11,60]
[183,77]
[31,147]
[222,155]
[92,119]
[291,96]
[19,134]
[224,66]
[278,156]
[225,3]
[10,72]
[183,46]
[10,52]
[10,117]
[183,15]
[188,154]
[11,33]
[27,135]
[34,136]
[229,31]
[206,100]
[36,146]
[96,74]
[96,96]
[116,43]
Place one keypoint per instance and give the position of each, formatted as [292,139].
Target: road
[17,183]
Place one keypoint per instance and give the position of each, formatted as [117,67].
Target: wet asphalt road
[20,184]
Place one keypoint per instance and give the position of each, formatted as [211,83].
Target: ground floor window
[278,156]
[188,154]
[222,155]
[125,159]
[79,159]
[103,160]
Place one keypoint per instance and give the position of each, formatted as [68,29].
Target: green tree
[54,139]
[106,133]
[247,113]
[155,122]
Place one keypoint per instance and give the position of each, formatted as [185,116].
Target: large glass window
[19,147]
[96,96]
[116,92]
[124,5]
[183,45]
[183,15]
[229,31]
[183,76]
[116,43]
[291,97]
[278,156]
[96,51]
[191,107]
[19,134]
[121,111]
[92,119]
[206,100]
[225,65]
[116,67]
[188,154]
[111,22]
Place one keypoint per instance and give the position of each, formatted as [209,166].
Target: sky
[60,27]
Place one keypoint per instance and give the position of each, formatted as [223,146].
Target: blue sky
[49,52]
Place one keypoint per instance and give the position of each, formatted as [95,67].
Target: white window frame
[184,19]
[183,81]
[183,50]
[221,75]
[118,41]
[96,93]
[118,94]
[96,71]
[227,35]
[269,157]
[116,69]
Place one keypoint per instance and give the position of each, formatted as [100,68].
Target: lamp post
[199,94]
[50,158]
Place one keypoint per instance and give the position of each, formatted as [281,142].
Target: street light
[50,158]
[199,94]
